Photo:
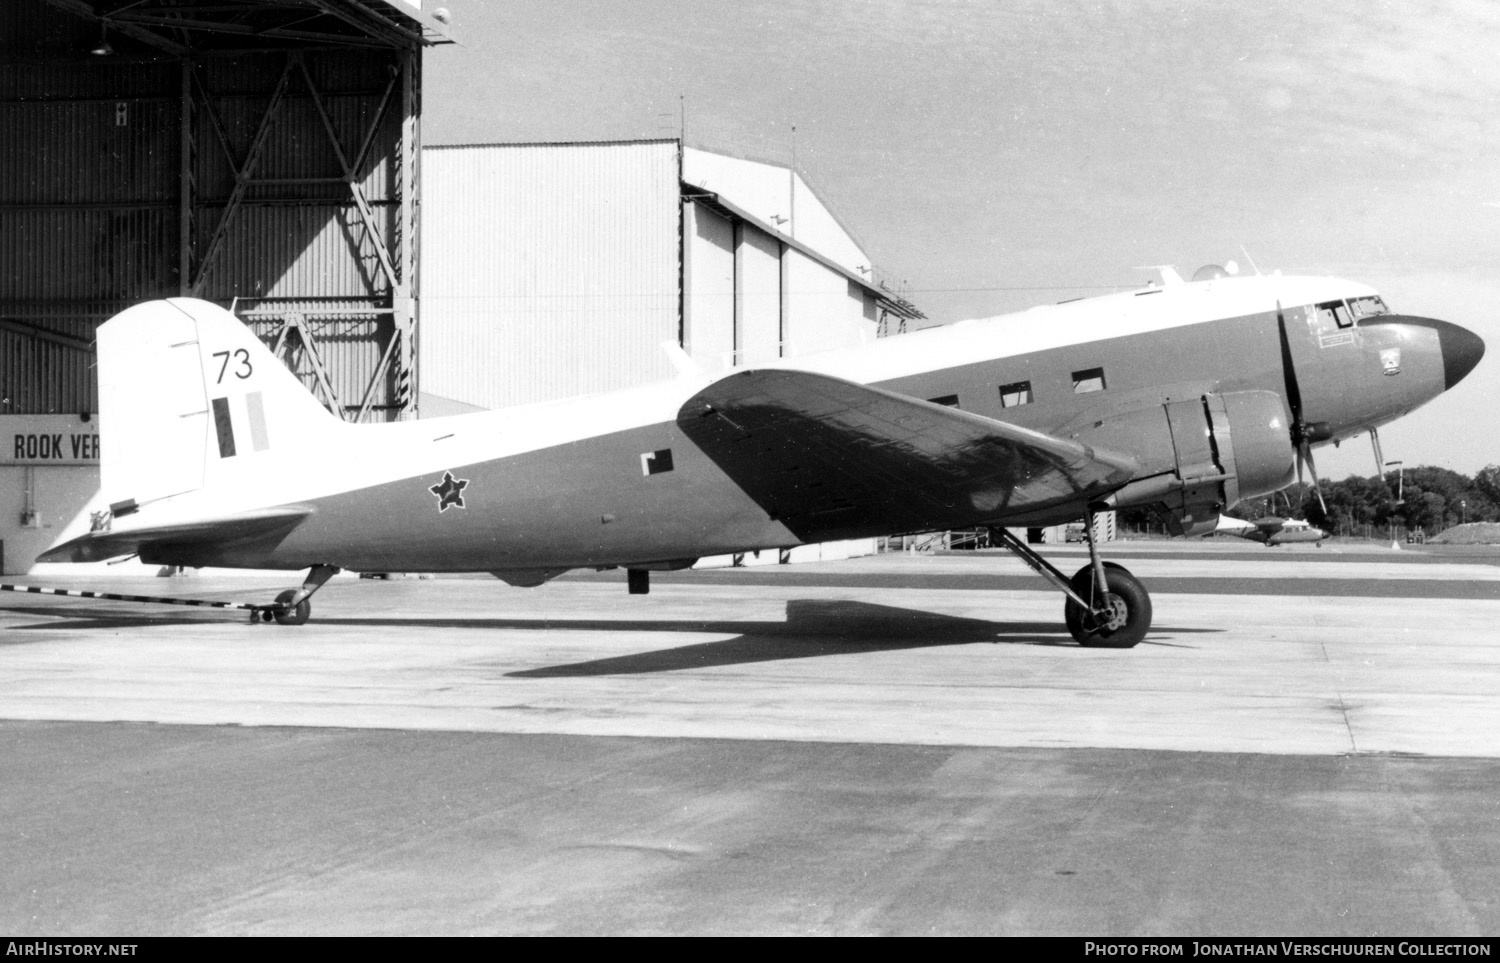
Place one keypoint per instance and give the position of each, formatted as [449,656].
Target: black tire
[1125,593]
[296,616]
[1082,582]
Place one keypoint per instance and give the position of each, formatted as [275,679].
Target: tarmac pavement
[894,744]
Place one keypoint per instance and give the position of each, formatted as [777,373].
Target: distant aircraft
[1271,530]
[1185,396]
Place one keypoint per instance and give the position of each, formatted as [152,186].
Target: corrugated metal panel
[100,79]
[43,53]
[46,364]
[297,144]
[296,251]
[300,235]
[348,338]
[89,201]
[41,377]
[87,254]
[88,151]
[88,214]
[547,270]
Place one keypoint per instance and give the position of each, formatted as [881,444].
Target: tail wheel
[1127,610]
[292,616]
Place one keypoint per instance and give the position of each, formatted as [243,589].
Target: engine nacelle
[1201,456]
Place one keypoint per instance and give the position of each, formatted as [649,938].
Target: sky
[995,156]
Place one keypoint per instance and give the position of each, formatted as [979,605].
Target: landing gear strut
[292,606]
[1106,607]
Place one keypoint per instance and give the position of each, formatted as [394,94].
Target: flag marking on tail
[224,427]
[257,409]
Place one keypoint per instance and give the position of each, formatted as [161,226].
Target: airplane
[1272,530]
[1186,396]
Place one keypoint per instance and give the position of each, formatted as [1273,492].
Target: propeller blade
[1303,434]
[1312,469]
[1289,375]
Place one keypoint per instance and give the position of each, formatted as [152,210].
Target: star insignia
[450,491]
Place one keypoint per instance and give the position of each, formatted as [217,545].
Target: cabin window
[1336,312]
[1087,380]
[947,401]
[656,462]
[1016,394]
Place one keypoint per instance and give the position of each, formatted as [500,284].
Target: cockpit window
[1368,307]
[1335,311]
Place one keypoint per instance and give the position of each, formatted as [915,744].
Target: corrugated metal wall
[92,187]
[88,212]
[116,170]
[299,232]
[547,270]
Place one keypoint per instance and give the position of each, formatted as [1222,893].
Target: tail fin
[189,397]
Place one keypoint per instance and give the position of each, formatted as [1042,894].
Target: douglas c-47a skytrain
[1185,396]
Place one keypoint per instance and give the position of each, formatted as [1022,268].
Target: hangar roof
[189,27]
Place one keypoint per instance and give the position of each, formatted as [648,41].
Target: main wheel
[1128,618]
[293,616]
[1082,583]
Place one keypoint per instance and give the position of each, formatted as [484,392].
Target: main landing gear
[1106,607]
[292,606]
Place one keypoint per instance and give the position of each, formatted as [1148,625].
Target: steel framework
[381,229]
[297,137]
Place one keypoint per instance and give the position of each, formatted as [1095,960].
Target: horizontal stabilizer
[829,458]
[267,525]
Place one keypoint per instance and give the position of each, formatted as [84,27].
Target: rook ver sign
[49,440]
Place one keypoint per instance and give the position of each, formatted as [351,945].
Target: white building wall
[554,270]
[758,270]
[709,255]
[547,270]
[814,224]
[778,197]
[824,310]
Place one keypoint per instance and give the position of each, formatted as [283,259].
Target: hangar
[267,155]
[260,154]
[553,270]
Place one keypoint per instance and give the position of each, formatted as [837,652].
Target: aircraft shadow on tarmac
[813,628]
[60,617]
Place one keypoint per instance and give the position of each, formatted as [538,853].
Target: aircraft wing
[246,527]
[829,458]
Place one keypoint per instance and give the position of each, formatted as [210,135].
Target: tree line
[1427,498]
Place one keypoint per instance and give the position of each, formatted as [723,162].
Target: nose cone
[1462,350]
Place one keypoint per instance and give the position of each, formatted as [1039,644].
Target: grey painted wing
[829,458]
